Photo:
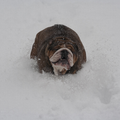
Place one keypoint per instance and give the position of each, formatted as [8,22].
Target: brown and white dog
[59,50]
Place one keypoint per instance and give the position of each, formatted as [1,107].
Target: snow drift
[91,94]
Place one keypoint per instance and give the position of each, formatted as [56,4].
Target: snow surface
[92,94]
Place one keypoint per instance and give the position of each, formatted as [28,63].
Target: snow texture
[91,94]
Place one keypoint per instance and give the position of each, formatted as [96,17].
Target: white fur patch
[56,56]
[57,69]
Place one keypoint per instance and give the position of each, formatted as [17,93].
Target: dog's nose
[64,54]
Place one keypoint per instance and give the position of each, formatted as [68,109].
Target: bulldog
[58,50]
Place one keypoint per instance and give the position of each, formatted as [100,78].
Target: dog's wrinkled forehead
[57,43]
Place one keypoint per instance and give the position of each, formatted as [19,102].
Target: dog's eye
[76,47]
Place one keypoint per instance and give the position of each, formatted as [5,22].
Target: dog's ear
[47,48]
[47,51]
[34,50]
[84,56]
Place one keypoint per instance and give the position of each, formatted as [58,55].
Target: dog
[58,50]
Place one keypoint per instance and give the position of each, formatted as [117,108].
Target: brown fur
[53,38]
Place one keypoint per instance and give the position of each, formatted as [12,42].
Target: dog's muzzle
[62,59]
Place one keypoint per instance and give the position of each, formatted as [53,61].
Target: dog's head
[62,54]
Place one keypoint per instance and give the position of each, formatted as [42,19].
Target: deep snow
[92,94]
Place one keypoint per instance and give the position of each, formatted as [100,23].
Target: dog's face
[62,54]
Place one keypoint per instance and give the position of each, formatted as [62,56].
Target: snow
[91,94]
